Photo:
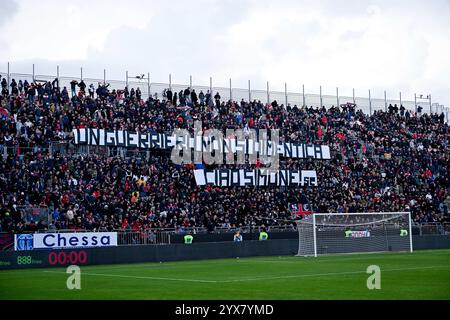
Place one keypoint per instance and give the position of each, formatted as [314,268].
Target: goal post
[328,233]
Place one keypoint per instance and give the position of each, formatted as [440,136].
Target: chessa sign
[64,240]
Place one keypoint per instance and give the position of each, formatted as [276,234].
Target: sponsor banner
[243,177]
[360,234]
[23,241]
[64,240]
[129,139]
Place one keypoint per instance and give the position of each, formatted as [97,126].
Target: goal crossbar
[360,213]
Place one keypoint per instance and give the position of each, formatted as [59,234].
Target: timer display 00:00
[73,257]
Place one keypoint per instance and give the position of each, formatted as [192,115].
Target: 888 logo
[24,260]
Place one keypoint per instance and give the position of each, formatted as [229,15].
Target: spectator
[20,86]
[91,90]
[14,89]
[175,98]
[217,99]
[380,162]
[82,87]
[31,94]
[169,96]
[201,96]
[237,237]
[73,88]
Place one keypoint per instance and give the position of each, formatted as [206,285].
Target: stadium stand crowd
[388,161]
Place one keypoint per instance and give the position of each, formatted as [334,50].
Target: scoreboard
[43,258]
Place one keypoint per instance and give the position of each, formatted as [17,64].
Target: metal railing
[35,214]
[162,236]
[127,238]
[420,228]
[432,228]
[155,89]
[66,148]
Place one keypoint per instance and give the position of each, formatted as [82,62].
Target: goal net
[327,233]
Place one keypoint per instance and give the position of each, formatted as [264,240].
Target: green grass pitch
[418,275]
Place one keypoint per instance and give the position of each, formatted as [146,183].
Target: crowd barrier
[145,253]
[295,96]
[172,252]
[171,235]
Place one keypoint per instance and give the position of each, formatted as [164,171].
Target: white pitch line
[280,259]
[138,277]
[250,279]
[192,263]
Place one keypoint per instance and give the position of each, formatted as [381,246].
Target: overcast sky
[379,45]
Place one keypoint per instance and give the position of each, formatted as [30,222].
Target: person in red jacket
[319,133]
[124,223]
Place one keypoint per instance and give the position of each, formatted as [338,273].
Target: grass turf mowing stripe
[330,274]
[250,279]
[281,259]
[420,275]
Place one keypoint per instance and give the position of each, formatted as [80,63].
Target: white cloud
[401,46]
[65,30]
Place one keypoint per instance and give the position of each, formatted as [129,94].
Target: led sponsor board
[64,240]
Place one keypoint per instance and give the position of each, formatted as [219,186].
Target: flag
[301,209]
